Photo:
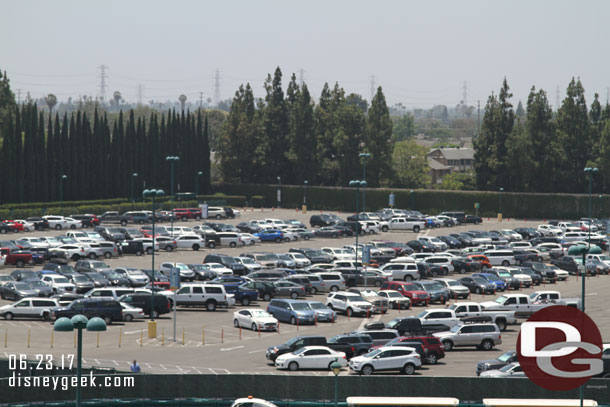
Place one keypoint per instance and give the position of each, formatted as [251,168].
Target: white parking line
[233,348]
[256,351]
[131,332]
[163,367]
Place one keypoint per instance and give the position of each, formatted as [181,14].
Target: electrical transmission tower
[301,76]
[557,99]
[200,100]
[465,93]
[103,75]
[140,93]
[217,87]
[372,87]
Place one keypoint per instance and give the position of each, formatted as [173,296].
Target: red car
[187,213]
[480,258]
[17,227]
[415,294]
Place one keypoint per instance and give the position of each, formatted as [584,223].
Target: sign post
[366,261]
[175,285]
[392,200]
[476,209]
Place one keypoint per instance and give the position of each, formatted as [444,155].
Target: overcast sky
[420,52]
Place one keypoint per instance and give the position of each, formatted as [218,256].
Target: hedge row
[121,205]
[514,205]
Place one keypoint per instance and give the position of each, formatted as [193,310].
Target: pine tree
[276,127]
[378,140]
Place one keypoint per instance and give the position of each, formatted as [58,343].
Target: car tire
[478,290]
[149,250]
[123,223]
[9,315]
[266,297]
[293,321]
[219,216]
[408,369]
[72,226]
[501,323]
[278,240]
[367,370]
[195,247]
[232,244]
[128,318]
[184,219]
[107,320]
[384,229]
[92,256]
[293,366]
[197,218]
[108,255]
[20,263]
[540,259]
[306,237]
[408,278]
[448,345]
[314,290]
[349,312]
[377,283]
[334,289]
[334,236]
[487,344]
[169,248]
[210,305]
[294,295]
[139,252]
[57,227]
[432,358]
[155,313]
[236,323]
[506,263]
[245,301]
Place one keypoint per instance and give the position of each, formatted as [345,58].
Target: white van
[500,257]
[29,308]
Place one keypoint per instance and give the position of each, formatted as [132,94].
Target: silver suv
[483,336]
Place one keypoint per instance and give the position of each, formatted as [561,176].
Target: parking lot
[207,342]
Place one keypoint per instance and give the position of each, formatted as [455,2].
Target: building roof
[436,165]
[456,153]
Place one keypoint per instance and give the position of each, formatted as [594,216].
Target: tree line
[541,150]
[98,159]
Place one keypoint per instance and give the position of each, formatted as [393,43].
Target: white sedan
[310,357]
[248,239]
[219,269]
[254,319]
[130,313]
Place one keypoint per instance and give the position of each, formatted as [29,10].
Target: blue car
[243,295]
[270,235]
[292,311]
[433,223]
[492,278]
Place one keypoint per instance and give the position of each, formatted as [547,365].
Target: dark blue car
[492,278]
[242,294]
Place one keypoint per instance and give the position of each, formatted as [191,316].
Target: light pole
[357,184]
[152,325]
[61,191]
[199,174]
[411,196]
[79,322]
[305,196]
[364,157]
[500,203]
[131,197]
[172,160]
[279,192]
[336,367]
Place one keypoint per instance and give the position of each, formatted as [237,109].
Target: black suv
[39,223]
[132,247]
[266,290]
[351,344]
[162,304]
[293,344]
[227,261]
[109,310]
[321,220]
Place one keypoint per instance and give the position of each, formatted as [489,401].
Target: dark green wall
[296,387]
[514,205]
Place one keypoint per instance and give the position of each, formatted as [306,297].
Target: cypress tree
[206,167]
[276,128]
[18,148]
[41,193]
[378,140]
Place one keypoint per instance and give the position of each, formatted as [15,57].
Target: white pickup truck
[525,305]
[473,310]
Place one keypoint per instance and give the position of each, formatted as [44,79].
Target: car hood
[281,347]
[492,362]
[266,320]
[490,305]
[442,334]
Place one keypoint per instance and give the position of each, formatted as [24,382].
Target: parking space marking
[233,348]
[257,351]
[163,367]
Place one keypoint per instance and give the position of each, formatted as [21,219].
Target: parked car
[37,308]
[108,309]
[162,304]
[16,291]
[482,336]
[310,357]
[497,363]
[402,359]
[292,311]
[293,344]
[255,319]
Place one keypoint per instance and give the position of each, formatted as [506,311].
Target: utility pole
[478,117]
[217,88]
[465,93]
[200,100]
[301,76]
[103,76]
[19,97]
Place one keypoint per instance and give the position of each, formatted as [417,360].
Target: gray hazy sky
[420,52]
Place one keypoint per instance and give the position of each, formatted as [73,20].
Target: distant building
[443,161]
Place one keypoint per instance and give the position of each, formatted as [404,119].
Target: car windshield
[113,230]
[100,264]
[373,353]
[36,284]
[355,298]
[422,314]
[433,286]
[284,257]
[394,294]
[505,274]
[61,280]
[247,260]
[265,257]
[260,314]
[317,305]
[479,280]
[506,368]
[604,258]
[505,357]
[455,328]
[81,279]
[453,283]
[299,351]
[501,299]
[300,306]
[22,286]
